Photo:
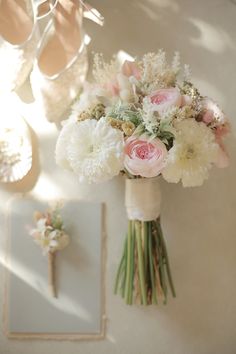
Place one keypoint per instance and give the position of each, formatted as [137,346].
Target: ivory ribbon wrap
[143,198]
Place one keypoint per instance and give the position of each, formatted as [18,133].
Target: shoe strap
[52,5]
[89,11]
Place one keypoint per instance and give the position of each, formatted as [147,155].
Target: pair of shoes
[61,61]
[58,58]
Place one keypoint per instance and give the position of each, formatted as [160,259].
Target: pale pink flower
[165,98]
[112,87]
[130,68]
[211,111]
[208,117]
[144,157]
[222,159]
[186,100]
[221,131]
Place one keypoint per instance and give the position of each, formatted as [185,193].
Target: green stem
[132,265]
[121,265]
[145,242]
[128,273]
[123,278]
[141,263]
[150,249]
[166,258]
[161,265]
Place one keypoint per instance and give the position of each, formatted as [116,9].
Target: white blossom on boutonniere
[49,233]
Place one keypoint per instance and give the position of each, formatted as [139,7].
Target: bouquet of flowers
[51,237]
[144,119]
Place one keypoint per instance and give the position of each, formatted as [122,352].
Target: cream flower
[92,149]
[49,239]
[192,155]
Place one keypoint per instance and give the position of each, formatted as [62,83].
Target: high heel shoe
[19,36]
[61,61]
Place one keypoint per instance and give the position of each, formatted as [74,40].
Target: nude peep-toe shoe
[19,37]
[61,61]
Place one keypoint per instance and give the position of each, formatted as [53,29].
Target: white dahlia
[192,154]
[92,149]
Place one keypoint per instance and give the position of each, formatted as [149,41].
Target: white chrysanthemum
[92,149]
[61,145]
[192,154]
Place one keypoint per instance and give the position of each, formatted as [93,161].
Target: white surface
[199,224]
[79,303]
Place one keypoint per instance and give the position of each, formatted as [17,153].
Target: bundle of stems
[144,272]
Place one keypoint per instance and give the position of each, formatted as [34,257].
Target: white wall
[199,224]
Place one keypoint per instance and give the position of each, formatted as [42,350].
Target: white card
[78,311]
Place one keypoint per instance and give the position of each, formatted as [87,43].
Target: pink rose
[144,157]
[211,111]
[222,159]
[165,98]
[130,68]
[221,131]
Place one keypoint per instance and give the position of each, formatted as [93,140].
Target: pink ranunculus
[130,68]
[165,98]
[144,157]
[211,111]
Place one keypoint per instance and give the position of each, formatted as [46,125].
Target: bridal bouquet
[144,119]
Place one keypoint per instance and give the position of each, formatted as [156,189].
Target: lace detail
[53,96]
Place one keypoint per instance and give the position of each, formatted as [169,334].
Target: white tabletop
[199,224]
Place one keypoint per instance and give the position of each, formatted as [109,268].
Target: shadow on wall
[198,30]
